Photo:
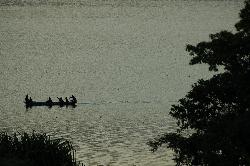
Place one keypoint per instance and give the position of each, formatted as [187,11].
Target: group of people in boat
[28,100]
[71,101]
[66,102]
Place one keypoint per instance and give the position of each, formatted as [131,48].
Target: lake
[125,61]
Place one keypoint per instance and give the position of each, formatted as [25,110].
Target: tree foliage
[216,110]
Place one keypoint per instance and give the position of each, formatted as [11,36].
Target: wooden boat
[39,103]
[29,103]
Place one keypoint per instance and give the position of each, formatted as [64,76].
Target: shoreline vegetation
[36,150]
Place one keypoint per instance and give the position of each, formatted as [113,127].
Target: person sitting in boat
[30,100]
[73,99]
[27,99]
[49,102]
[66,101]
[61,102]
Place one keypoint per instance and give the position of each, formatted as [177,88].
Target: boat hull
[37,103]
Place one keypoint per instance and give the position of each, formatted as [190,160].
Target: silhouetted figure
[27,101]
[66,101]
[73,99]
[30,100]
[61,102]
[27,98]
[49,102]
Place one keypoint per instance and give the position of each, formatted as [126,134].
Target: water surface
[128,61]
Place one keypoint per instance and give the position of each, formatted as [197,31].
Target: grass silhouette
[35,150]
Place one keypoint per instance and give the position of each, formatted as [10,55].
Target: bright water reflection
[127,61]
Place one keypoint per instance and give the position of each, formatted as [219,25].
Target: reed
[36,149]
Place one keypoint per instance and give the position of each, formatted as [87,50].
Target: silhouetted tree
[214,117]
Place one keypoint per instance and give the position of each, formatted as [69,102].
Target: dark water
[127,61]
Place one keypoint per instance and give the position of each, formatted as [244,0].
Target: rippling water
[127,61]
